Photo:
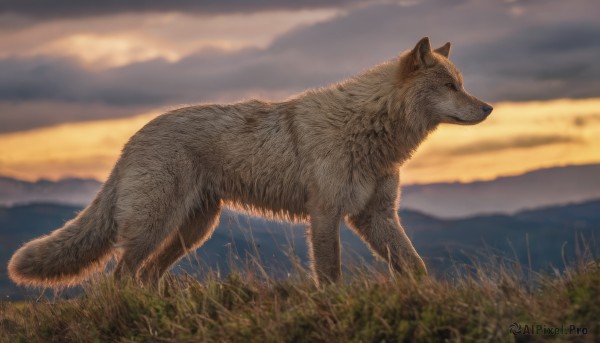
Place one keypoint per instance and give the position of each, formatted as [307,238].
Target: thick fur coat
[327,155]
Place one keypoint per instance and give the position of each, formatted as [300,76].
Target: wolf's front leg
[379,226]
[324,244]
[386,237]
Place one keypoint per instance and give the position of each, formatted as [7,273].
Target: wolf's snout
[487,109]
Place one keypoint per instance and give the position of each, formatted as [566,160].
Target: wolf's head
[436,86]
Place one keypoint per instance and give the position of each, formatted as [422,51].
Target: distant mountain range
[544,238]
[71,191]
[544,187]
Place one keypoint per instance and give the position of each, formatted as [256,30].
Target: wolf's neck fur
[380,117]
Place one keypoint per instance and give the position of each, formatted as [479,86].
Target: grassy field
[367,307]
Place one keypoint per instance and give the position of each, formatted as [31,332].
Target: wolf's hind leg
[145,223]
[191,234]
[137,249]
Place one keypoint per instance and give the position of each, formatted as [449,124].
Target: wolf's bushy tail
[69,254]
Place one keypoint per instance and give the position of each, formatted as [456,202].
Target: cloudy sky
[78,77]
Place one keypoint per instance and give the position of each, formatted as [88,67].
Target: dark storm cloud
[538,62]
[305,57]
[520,142]
[550,51]
[18,116]
[202,77]
[41,9]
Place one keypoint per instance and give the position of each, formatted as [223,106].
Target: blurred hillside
[548,237]
[544,187]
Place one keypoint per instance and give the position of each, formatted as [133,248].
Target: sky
[77,78]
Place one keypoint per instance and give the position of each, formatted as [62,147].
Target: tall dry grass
[478,304]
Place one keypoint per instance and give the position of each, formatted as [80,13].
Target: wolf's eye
[451,86]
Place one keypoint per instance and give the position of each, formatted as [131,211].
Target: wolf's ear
[420,57]
[444,50]
[422,53]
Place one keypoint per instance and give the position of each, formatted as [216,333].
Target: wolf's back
[69,254]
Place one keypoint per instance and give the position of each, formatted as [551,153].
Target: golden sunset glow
[516,138]
[110,51]
[130,38]
[80,149]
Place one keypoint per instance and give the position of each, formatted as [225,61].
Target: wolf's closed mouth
[459,120]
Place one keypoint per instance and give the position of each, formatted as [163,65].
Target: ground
[368,306]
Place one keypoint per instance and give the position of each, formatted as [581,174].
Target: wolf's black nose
[487,109]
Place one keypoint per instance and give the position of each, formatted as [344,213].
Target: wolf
[324,156]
